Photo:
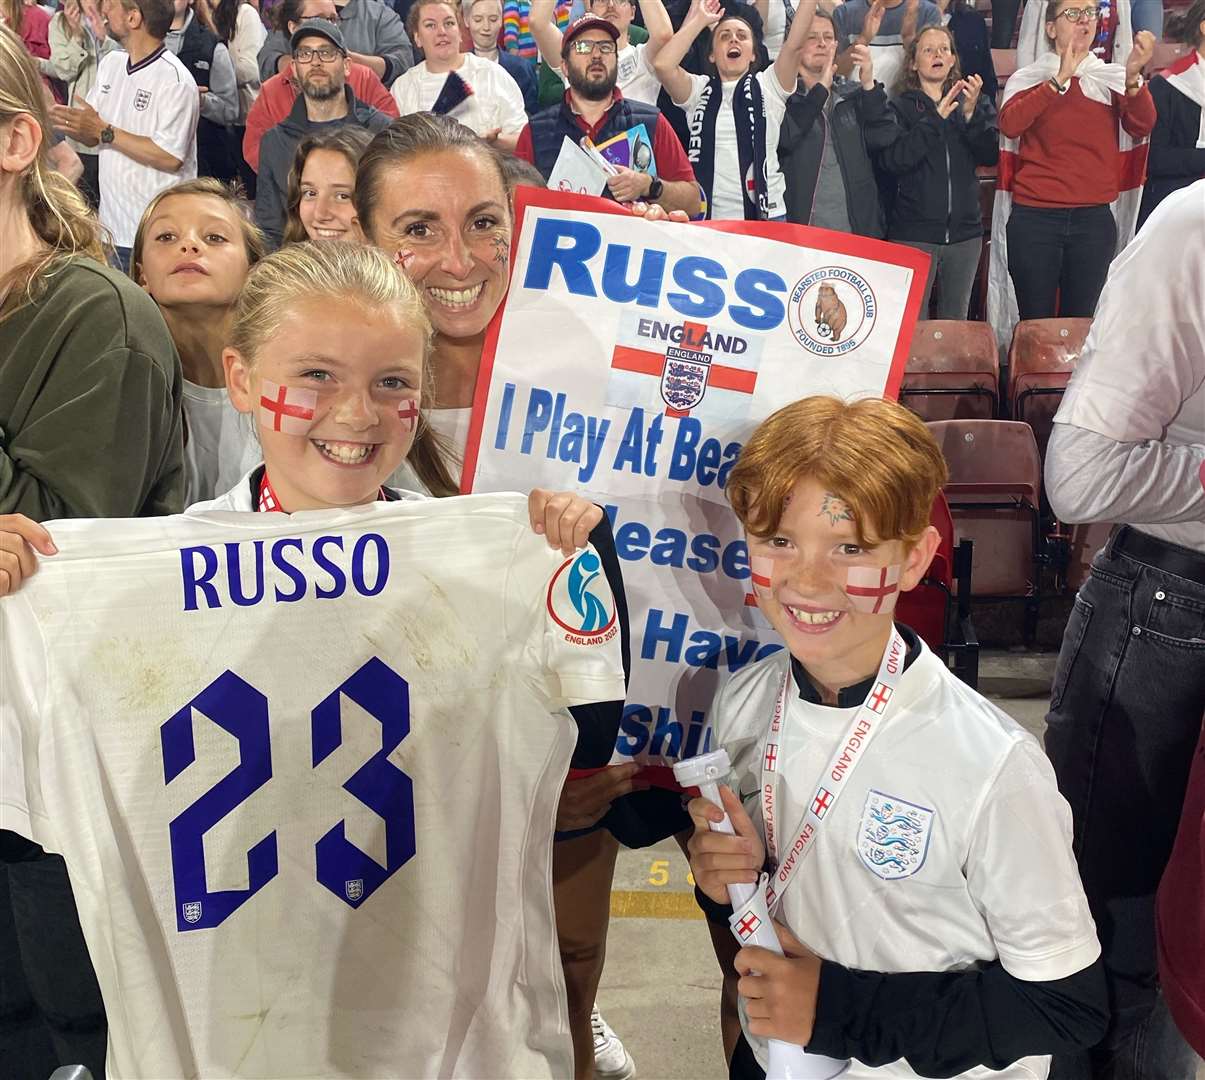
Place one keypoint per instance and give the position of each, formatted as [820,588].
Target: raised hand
[973,85]
[950,102]
[1069,61]
[872,22]
[1140,54]
[862,58]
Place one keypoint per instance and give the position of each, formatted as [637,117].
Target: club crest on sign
[354,888]
[831,311]
[192,911]
[684,380]
[141,100]
[893,835]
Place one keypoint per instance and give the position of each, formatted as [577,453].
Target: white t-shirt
[775,31]
[220,444]
[157,98]
[727,183]
[995,875]
[495,102]
[309,835]
[1141,377]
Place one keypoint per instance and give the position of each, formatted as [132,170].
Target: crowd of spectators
[191,137]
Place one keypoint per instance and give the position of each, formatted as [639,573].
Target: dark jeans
[1125,716]
[1004,20]
[51,1012]
[1059,258]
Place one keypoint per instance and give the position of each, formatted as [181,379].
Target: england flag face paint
[762,573]
[407,412]
[287,409]
[873,590]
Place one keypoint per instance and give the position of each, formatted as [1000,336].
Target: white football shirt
[157,98]
[727,202]
[308,813]
[496,101]
[983,868]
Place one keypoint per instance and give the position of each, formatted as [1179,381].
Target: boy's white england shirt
[950,845]
[308,815]
[157,98]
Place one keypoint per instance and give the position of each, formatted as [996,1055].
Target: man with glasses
[326,102]
[594,108]
[634,63]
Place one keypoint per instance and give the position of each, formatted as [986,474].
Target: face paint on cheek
[403,258]
[408,414]
[762,572]
[873,590]
[287,409]
[501,250]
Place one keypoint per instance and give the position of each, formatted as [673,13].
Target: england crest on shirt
[893,835]
[142,98]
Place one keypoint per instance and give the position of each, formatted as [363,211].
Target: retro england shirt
[304,772]
[949,846]
[156,98]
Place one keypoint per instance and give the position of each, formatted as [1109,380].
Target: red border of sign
[804,235]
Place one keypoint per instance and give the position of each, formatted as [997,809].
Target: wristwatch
[655,188]
[107,134]
[1136,84]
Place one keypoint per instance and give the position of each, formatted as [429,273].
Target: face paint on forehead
[873,590]
[835,509]
[287,409]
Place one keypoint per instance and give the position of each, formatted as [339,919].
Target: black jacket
[860,124]
[974,46]
[276,157]
[933,161]
[1174,160]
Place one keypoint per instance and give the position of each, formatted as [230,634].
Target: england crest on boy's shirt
[893,836]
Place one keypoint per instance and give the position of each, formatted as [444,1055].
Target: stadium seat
[1085,542]
[953,371]
[1041,359]
[994,492]
[930,608]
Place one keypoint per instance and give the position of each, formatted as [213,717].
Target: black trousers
[51,1012]
[1059,258]
[1004,20]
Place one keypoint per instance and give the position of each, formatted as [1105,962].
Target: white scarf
[1191,83]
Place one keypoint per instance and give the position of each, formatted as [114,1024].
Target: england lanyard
[866,723]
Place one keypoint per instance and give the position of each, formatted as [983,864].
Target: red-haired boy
[918,851]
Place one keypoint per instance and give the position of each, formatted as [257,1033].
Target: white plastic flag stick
[751,920]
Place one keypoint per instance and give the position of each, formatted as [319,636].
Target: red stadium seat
[1041,360]
[953,371]
[927,608]
[994,492]
[1085,542]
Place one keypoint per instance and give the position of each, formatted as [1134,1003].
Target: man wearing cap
[326,102]
[594,108]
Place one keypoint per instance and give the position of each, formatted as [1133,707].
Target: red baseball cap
[583,23]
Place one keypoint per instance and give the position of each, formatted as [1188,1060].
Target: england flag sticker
[288,409]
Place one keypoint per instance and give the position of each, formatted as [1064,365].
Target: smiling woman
[321,186]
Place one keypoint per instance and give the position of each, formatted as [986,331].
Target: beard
[594,88]
[317,91]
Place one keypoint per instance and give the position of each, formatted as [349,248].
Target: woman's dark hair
[750,16]
[286,12]
[225,19]
[912,77]
[404,140]
[350,141]
[1185,26]
[408,138]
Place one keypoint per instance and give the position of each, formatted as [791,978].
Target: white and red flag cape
[1037,63]
[1188,76]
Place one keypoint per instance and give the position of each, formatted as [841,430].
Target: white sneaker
[611,1060]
